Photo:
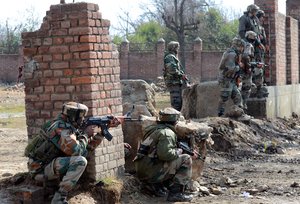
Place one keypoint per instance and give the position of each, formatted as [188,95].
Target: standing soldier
[229,68]
[249,21]
[262,36]
[159,159]
[174,76]
[60,150]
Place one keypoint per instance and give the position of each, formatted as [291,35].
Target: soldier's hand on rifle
[241,64]
[115,122]
[195,156]
[90,130]
[179,151]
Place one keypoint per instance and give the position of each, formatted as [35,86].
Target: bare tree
[180,16]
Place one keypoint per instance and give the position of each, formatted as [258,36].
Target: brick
[66,24]
[68,72]
[57,57]
[87,22]
[88,38]
[58,41]
[37,42]
[50,81]
[83,80]
[29,51]
[60,97]
[81,47]
[43,49]
[47,58]
[81,64]
[70,89]
[60,89]
[91,71]
[59,65]
[65,80]
[49,89]
[59,49]
[45,114]
[80,31]
[106,55]
[88,55]
[48,73]
[58,32]
[44,97]
[58,73]
[68,39]
[67,56]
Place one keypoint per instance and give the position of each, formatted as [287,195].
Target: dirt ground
[255,163]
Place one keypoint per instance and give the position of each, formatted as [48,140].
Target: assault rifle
[257,65]
[104,122]
[186,149]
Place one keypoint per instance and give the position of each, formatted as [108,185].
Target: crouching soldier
[60,150]
[159,160]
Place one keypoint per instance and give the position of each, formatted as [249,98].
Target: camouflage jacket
[228,67]
[159,146]
[247,23]
[173,70]
[57,138]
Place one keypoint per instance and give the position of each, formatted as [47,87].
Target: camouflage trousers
[178,170]
[69,169]
[175,96]
[228,89]
[258,77]
[246,87]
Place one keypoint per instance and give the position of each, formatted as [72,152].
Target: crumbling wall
[71,58]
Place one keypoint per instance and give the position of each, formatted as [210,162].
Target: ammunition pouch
[143,150]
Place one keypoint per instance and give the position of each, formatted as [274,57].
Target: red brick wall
[71,58]
[200,65]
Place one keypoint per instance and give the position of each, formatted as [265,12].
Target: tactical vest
[172,78]
[42,148]
[150,140]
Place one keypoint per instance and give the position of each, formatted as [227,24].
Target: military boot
[156,189]
[176,194]
[59,198]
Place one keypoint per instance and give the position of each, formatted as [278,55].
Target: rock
[295,185]
[216,190]
[7,175]
[252,191]
[204,190]
[280,150]
[193,186]
[235,112]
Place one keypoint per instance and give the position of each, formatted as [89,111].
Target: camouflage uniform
[60,152]
[158,159]
[248,22]
[173,75]
[228,72]
[261,35]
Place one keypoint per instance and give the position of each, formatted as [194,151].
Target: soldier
[174,76]
[246,72]
[60,150]
[249,21]
[159,160]
[261,35]
[229,68]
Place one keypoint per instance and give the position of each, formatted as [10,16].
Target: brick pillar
[292,50]
[293,10]
[124,59]
[197,58]
[275,29]
[160,53]
[71,58]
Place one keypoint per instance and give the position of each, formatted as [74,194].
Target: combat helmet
[169,115]
[173,45]
[237,42]
[74,111]
[260,13]
[251,35]
[252,8]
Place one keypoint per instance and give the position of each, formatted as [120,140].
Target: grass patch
[19,123]
[162,101]
[12,108]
